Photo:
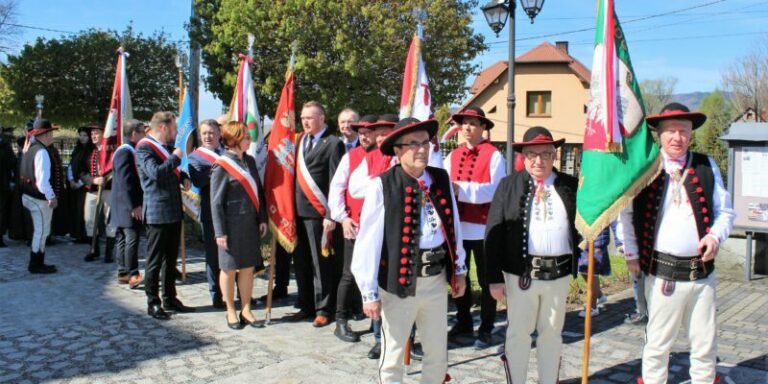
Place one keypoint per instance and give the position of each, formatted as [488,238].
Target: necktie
[349,146]
[310,144]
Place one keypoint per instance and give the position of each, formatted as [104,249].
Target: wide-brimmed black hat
[537,136]
[41,126]
[473,112]
[676,111]
[364,122]
[406,126]
[387,120]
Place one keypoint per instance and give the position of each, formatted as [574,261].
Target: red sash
[307,184]
[207,154]
[160,151]
[242,176]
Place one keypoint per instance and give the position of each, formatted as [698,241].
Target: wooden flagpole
[271,280]
[588,313]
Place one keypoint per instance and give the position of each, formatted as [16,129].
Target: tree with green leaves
[76,74]
[349,52]
[657,93]
[706,139]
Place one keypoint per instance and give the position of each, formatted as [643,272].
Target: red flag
[119,110]
[279,178]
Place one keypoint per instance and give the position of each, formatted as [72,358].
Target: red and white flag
[415,99]
[120,109]
[279,185]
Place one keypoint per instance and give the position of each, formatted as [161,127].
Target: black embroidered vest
[27,172]
[506,240]
[699,185]
[400,249]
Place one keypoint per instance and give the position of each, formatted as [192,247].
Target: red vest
[474,166]
[354,206]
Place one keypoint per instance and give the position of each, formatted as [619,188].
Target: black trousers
[162,252]
[348,299]
[487,302]
[316,275]
[127,250]
[282,269]
[211,260]
[5,212]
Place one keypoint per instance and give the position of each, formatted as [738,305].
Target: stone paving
[80,326]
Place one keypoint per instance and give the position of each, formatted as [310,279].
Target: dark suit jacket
[7,169]
[200,173]
[162,193]
[126,190]
[321,162]
[233,213]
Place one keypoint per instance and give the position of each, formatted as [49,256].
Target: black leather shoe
[237,325]
[90,257]
[459,329]
[344,333]
[416,352]
[176,306]
[375,352]
[254,324]
[157,312]
[42,269]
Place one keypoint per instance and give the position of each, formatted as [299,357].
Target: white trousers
[541,307]
[91,198]
[41,215]
[692,304]
[428,309]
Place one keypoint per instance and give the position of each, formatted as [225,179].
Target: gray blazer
[235,216]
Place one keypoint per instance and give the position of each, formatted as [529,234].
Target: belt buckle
[695,264]
[694,275]
[537,262]
[535,273]
[424,268]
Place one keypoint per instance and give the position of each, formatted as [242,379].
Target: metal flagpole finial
[251,40]
[420,15]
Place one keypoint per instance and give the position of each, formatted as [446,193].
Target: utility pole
[194,72]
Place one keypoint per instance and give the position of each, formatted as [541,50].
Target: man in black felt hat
[476,168]
[406,249]
[531,252]
[40,181]
[672,232]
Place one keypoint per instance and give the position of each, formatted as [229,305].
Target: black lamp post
[496,13]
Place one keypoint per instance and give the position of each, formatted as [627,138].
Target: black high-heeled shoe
[237,325]
[254,324]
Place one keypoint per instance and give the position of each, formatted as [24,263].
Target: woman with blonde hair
[239,222]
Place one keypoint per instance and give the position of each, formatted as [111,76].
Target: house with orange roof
[551,90]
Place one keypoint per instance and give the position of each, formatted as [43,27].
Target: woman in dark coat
[239,221]
[77,192]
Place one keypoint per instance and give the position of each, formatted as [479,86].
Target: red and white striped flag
[415,99]
[120,109]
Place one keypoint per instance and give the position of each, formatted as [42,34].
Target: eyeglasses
[530,155]
[414,145]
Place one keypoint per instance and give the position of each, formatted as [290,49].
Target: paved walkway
[79,326]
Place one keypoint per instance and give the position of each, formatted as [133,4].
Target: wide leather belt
[431,261]
[549,267]
[674,268]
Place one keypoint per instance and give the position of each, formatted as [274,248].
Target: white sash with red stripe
[243,176]
[126,147]
[207,154]
[160,151]
[308,185]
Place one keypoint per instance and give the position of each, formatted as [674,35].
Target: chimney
[562,45]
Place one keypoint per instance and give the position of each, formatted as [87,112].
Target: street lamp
[39,99]
[181,62]
[496,14]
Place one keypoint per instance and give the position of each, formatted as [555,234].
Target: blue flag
[186,125]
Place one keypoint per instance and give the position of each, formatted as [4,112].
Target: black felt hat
[406,126]
[676,111]
[537,136]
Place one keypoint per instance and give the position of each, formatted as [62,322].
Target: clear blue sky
[691,40]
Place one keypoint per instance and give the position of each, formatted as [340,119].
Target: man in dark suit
[200,162]
[126,202]
[318,271]
[158,165]
[7,180]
